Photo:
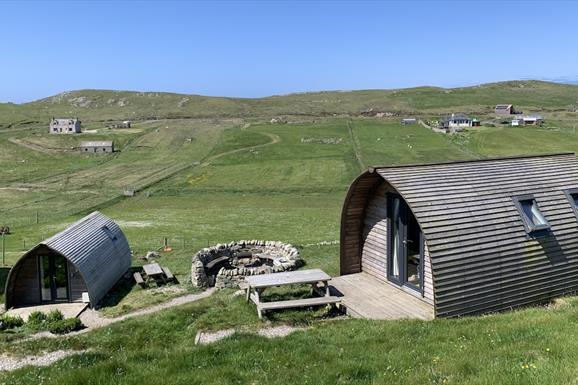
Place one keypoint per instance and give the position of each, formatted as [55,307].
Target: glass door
[45,278]
[405,245]
[60,279]
[53,278]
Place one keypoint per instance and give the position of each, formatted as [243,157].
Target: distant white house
[64,126]
[457,122]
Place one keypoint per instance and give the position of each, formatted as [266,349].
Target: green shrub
[10,322]
[37,318]
[65,326]
[54,315]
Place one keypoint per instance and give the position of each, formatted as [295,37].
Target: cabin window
[572,195]
[109,233]
[532,217]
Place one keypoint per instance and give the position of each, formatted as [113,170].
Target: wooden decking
[363,296]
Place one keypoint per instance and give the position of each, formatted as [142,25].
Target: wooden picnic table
[256,284]
[153,269]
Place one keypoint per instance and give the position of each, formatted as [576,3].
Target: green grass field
[229,175]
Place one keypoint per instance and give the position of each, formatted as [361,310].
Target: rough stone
[275,257]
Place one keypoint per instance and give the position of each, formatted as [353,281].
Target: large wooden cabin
[467,237]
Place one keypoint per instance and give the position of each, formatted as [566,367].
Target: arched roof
[483,259]
[96,246]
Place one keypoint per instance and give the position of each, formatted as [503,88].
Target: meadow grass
[529,346]
[278,182]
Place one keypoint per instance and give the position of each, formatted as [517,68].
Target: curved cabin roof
[483,257]
[96,246]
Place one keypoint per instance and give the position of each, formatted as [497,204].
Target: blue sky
[253,49]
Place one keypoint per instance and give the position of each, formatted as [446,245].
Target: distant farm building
[64,126]
[504,109]
[456,122]
[97,147]
[528,120]
[80,264]
[533,120]
[123,124]
[409,121]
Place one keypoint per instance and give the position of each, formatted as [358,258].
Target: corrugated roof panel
[98,248]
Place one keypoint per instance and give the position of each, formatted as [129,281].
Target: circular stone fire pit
[226,265]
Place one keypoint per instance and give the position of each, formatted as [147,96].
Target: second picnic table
[157,273]
[256,284]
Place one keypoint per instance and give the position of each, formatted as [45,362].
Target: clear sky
[254,49]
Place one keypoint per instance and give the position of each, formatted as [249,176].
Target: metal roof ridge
[373,168]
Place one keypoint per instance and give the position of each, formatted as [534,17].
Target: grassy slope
[532,346]
[289,189]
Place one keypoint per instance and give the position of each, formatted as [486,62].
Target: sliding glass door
[53,278]
[405,245]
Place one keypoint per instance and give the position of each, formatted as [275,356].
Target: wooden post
[3,249]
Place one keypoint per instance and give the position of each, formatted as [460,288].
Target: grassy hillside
[100,105]
[233,175]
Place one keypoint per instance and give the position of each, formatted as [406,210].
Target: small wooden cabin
[80,264]
[467,237]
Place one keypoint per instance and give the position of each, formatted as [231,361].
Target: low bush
[54,315]
[36,318]
[65,326]
[10,322]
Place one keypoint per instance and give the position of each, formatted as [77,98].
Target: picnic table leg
[248,292]
[326,286]
[257,301]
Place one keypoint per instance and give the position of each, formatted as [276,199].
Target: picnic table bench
[139,279]
[256,284]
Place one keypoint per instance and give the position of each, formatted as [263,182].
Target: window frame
[109,233]
[569,192]
[530,227]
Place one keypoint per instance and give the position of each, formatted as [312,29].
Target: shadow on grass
[120,290]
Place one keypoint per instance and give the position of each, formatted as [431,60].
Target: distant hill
[103,105]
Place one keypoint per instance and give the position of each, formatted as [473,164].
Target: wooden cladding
[479,256]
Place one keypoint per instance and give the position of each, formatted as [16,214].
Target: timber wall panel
[482,259]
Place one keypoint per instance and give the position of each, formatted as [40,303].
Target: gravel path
[8,363]
[93,320]
[205,338]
